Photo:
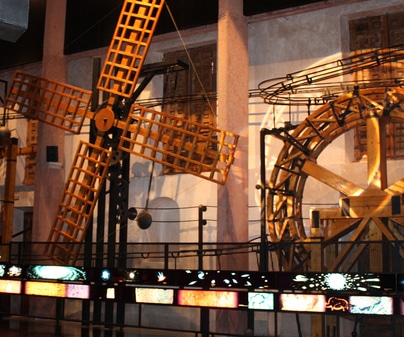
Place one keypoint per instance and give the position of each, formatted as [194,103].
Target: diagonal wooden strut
[82,189]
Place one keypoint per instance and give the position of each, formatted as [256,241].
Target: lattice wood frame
[201,150]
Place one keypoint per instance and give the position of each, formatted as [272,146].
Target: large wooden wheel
[371,213]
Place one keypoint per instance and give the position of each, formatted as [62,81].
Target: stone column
[49,181]
[233,116]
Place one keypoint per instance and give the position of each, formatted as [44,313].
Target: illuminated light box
[62,273]
[156,277]
[14,271]
[10,286]
[226,279]
[45,289]
[2,270]
[363,282]
[110,293]
[302,302]
[81,291]
[206,298]
[260,301]
[371,305]
[154,295]
[337,304]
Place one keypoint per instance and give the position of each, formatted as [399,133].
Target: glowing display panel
[63,273]
[302,302]
[45,289]
[371,305]
[154,295]
[205,298]
[337,304]
[10,287]
[80,291]
[260,301]
[362,282]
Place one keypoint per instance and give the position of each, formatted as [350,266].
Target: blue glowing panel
[61,273]
[105,275]
[260,301]
[371,305]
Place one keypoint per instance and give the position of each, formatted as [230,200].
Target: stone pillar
[233,116]
[49,181]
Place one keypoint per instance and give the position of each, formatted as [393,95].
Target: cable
[190,59]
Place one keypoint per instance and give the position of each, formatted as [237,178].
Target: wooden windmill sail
[144,132]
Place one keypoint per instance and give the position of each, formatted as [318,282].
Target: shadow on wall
[166,221]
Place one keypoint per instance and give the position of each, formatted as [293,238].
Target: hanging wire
[92,26]
[205,95]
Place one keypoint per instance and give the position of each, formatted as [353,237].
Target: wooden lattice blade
[200,150]
[129,46]
[82,189]
[51,102]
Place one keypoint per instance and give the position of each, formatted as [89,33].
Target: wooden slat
[150,134]
[82,189]
[129,46]
[51,102]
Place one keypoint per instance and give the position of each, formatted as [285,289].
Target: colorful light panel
[154,295]
[45,289]
[302,302]
[206,298]
[63,273]
[81,291]
[260,301]
[10,286]
[372,305]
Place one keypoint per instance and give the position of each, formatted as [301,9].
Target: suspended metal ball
[144,219]
[132,213]
[5,132]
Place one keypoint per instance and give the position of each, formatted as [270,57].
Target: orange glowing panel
[45,289]
[10,287]
[302,302]
[205,298]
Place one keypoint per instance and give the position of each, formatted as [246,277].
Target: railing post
[201,223]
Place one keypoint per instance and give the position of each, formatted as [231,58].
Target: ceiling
[90,24]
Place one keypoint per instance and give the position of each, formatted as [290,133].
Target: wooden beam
[331,179]
[8,203]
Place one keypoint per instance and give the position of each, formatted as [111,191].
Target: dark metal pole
[263,243]
[201,223]
[204,313]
